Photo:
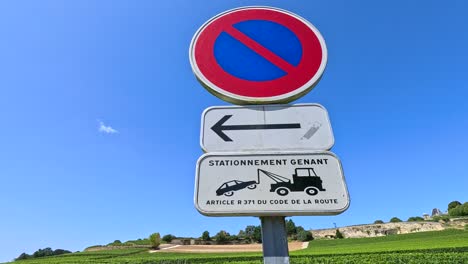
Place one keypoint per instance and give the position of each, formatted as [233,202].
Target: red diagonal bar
[261,50]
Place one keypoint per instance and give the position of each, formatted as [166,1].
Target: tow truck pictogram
[304,179]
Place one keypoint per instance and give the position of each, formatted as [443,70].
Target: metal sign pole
[274,240]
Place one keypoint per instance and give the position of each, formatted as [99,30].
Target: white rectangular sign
[266,127]
[270,184]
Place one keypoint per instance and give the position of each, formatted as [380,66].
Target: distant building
[426,216]
[436,212]
[181,241]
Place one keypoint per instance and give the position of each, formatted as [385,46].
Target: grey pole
[274,240]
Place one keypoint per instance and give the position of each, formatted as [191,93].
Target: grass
[415,241]
[449,246]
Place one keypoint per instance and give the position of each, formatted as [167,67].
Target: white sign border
[202,126]
[243,100]
[269,212]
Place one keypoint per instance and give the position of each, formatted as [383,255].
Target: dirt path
[224,248]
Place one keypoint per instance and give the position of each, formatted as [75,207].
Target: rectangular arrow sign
[269,184]
[267,127]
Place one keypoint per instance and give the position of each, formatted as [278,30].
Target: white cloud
[106,129]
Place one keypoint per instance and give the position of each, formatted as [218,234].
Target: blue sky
[395,88]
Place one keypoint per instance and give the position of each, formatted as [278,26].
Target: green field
[414,241]
[449,246]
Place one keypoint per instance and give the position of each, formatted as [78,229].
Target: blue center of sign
[239,60]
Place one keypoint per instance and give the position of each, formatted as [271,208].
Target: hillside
[448,246]
[451,238]
[384,229]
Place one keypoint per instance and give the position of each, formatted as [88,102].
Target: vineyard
[450,246]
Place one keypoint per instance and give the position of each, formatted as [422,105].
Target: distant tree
[23,256]
[43,253]
[460,210]
[304,236]
[299,229]
[46,252]
[378,222]
[168,238]
[453,204]
[249,232]
[290,227]
[338,234]
[206,236]
[254,233]
[155,240]
[415,219]
[61,252]
[115,243]
[257,235]
[395,220]
[241,234]
[139,242]
[455,211]
[221,237]
[441,218]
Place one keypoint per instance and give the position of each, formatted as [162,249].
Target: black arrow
[218,128]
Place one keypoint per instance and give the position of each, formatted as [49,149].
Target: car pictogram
[229,187]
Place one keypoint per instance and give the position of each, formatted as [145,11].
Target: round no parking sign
[258,55]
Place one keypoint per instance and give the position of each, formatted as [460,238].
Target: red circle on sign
[298,79]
